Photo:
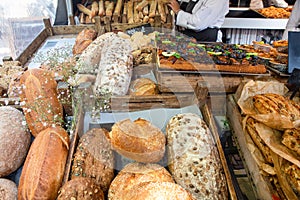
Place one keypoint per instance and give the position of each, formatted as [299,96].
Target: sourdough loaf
[14,140]
[81,189]
[8,190]
[39,100]
[83,40]
[135,173]
[142,87]
[44,166]
[193,158]
[94,158]
[138,140]
[157,191]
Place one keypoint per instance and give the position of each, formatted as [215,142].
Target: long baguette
[130,12]
[84,10]
[141,5]
[118,7]
[146,10]
[95,8]
[161,10]
[101,12]
[136,17]
[153,6]
[109,9]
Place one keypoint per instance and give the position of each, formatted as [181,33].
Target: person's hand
[174,5]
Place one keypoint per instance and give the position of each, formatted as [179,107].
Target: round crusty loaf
[94,158]
[8,190]
[14,140]
[139,140]
[193,159]
[142,87]
[157,191]
[136,173]
[81,189]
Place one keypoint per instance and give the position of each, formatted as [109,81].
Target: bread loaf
[157,191]
[14,140]
[94,158]
[44,166]
[83,40]
[143,87]
[8,190]
[193,158]
[81,189]
[135,173]
[138,140]
[39,100]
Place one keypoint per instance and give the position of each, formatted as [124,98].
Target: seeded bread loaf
[94,158]
[193,158]
[138,140]
[39,100]
[81,189]
[135,173]
[14,140]
[44,166]
[8,190]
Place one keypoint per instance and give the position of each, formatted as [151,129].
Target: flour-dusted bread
[89,59]
[39,100]
[44,166]
[8,190]
[14,140]
[157,191]
[115,67]
[138,140]
[94,158]
[193,158]
[135,173]
[81,189]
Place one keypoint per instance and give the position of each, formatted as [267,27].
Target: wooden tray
[261,184]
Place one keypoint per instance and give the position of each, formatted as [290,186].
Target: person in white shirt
[201,19]
[294,20]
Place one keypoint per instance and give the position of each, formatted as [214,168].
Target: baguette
[82,18]
[130,12]
[136,17]
[118,8]
[44,166]
[161,10]
[153,6]
[141,5]
[84,10]
[109,9]
[146,10]
[95,9]
[101,11]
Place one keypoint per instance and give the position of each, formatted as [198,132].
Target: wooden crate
[208,118]
[261,184]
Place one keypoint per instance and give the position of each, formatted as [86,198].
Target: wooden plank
[71,29]
[261,185]
[208,118]
[32,47]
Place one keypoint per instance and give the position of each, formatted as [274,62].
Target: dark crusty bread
[39,100]
[8,190]
[193,158]
[135,173]
[291,139]
[157,191]
[14,140]
[139,140]
[44,166]
[94,158]
[81,189]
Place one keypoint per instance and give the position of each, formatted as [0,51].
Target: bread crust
[139,140]
[39,100]
[94,158]
[143,87]
[44,166]
[8,190]
[83,40]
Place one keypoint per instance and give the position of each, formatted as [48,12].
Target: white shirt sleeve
[294,20]
[206,13]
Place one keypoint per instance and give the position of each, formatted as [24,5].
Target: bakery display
[94,158]
[80,188]
[136,173]
[44,166]
[39,100]
[8,190]
[193,159]
[14,140]
[138,140]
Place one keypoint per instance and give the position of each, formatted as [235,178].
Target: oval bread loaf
[193,158]
[44,166]
[94,158]
[39,100]
[8,190]
[14,140]
[81,189]
[142,87]
[135,173]
[139,140]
